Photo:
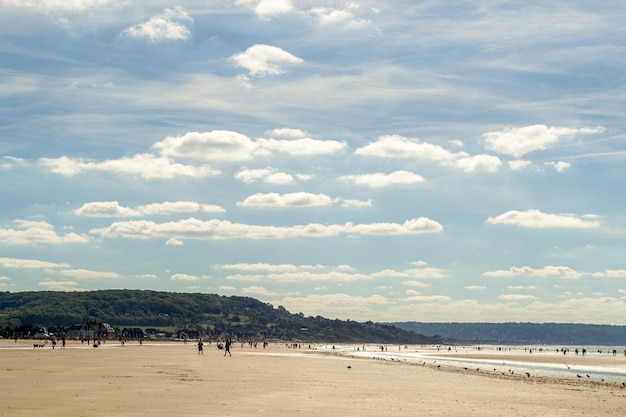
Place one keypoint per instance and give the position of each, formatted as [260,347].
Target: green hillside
[209,314]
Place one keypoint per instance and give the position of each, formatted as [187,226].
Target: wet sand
[171,379]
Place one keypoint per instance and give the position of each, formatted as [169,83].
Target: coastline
[173,379]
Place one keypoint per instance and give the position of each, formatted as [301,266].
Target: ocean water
[507,359]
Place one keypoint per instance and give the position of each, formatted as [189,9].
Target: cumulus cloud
[85,274]
[166,26]
[214,229]
[105,209]
[61,5]
[184,277]
[560,166]
[334,305]
[399,147]
[265,175]
[264,267]
[114,209]
[261,60]
[30,264]
[350,203]
[517,297]
[302,147]
[148,166]
[66,285]
[37,232]
[486,163]
[267,8]
[536,219]
[611,273]
[227,146]
[412,273]
[380,180]
[216,145]
[395,146]
[257,291]
[287,132]
[549,271]
[300,200]
[519,141]
[300,276]
[519,164]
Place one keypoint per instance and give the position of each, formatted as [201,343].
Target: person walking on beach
[227,347]
[200,347]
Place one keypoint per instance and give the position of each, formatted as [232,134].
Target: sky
[389,161]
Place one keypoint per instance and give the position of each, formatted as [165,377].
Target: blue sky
[385,161]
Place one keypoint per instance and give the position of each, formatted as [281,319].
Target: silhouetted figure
[200,347]
[227,347]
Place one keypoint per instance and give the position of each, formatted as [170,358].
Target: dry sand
[171,379]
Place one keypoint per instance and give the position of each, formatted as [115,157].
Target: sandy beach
[172,379]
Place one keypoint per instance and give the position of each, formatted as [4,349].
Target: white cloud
[174,242]
[36,232]
[418,284]
[427,298]
[105,209]
[536,219]
[264,59]
[475,287]
[517,297]
[60,5]
[334,305]
[9,162]
[261,267]
[267,8]
[184,277]
[380,180]
[257,291]
[302,147]
[560,166]
[519,141]
[549,271]
[265,175]
[300,276]
[217,145]
[395,146]
[477,163]
[413,226]
[611,273]
[113,209]
[299,200]
[85,274]
[356,203]
[287,132]
[30,264]
[519,164]
[222,230]
[175,207]
[167,26]
[51,285]
[146,165]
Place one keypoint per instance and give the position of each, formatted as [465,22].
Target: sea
[605,364]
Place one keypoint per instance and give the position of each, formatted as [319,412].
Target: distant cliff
[523,333]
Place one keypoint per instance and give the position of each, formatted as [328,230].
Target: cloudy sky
[387,161]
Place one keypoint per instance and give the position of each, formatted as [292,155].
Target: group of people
[226,346]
